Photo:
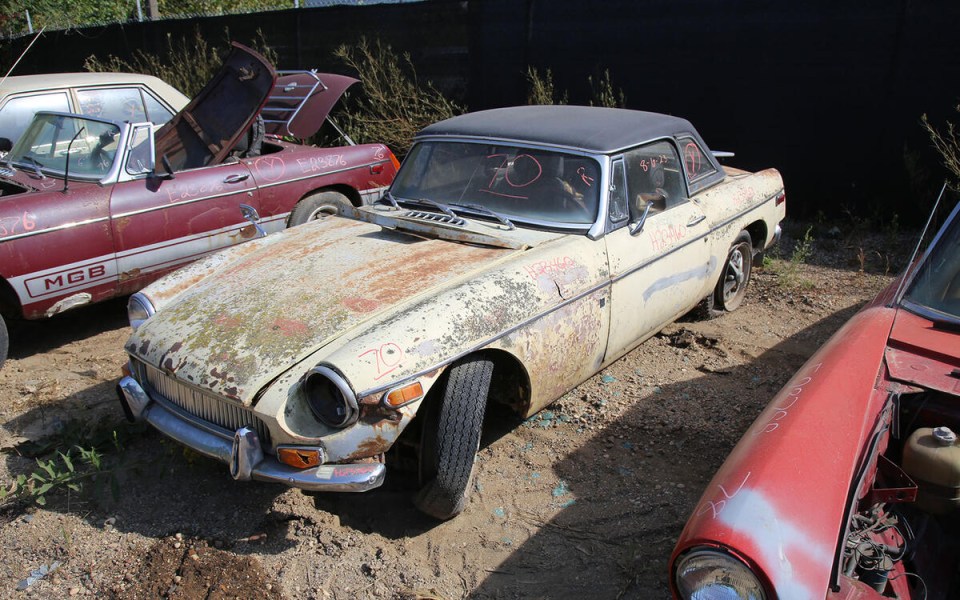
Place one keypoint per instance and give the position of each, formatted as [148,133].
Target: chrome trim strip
[479,346]
[324,478]
[285,181]
[51,229]
[181,203]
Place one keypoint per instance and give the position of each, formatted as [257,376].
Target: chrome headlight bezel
[330,398]
[139,309]
[703,567]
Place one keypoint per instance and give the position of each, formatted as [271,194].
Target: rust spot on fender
[131,274]
[360,305]
[144,347]
[290,328]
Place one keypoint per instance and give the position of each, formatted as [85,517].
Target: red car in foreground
[92,208]
[848,484]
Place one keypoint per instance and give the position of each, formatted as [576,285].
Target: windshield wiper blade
[441,207]
[390,199]
[483,209]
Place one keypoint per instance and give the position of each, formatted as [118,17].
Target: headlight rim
[347,394]
[763,584]
[144,304]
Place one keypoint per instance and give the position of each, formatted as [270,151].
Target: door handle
[236,178]
[697,220]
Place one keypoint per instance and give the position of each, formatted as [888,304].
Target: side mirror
[167,169]
[5,145]
[250,214]
[638,226]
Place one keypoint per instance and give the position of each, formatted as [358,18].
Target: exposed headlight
[707,574]
[139,309]
[330,398]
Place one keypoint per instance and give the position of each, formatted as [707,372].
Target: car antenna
[66,167]
[22,54]
[916,250]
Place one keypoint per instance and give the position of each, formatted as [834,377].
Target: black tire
[4,341]
[318,206]
[451,438]
[732,286]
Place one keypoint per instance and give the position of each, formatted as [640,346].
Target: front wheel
[732,287]
[451,438]
[318,206]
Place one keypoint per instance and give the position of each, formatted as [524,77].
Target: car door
[659,257]
[160,224]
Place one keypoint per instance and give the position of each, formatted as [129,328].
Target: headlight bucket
[709,573]
[330,398]
[139,309]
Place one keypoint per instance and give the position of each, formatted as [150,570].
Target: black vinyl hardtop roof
[589,128]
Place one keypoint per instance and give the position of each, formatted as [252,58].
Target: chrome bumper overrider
[776,236]
[243,453]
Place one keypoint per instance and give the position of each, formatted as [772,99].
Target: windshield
[525,185]
[936,286]
[45,143]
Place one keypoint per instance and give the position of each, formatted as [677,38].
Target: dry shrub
[186,65]
[393,105]
[948,146]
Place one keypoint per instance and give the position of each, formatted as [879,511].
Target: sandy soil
[584,500]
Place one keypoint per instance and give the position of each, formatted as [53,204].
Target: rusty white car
[517,253]
[848,484]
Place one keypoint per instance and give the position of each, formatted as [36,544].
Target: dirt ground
[586,499]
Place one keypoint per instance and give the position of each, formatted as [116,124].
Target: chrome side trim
[359,477]
[51,229]
[312,176]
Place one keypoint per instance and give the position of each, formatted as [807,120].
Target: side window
[157,113]
[120,104]
[695,161]
[654,176]
[17,113]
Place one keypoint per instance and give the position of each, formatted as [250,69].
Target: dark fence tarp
[831,94]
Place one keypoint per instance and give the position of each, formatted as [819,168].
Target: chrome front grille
[204,406]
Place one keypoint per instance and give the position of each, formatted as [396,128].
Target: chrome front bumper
[243,453]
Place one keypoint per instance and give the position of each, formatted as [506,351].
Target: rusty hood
[237,330]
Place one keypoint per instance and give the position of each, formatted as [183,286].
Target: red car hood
[779,499]
[924,355]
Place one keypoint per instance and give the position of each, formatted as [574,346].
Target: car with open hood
[848,484]
[93,208]
[518,252]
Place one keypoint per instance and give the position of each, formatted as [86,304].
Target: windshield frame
[593,229]
[73,173]
[913,278]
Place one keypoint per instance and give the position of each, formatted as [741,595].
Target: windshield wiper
[441,207]
[37,165]
[483,209]
[390,199]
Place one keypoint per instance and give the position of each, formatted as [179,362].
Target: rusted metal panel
[206,129]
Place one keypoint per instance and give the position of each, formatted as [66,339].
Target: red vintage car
[93,208]
[848,484]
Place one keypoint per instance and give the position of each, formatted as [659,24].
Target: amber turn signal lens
[299,458]
[397,397]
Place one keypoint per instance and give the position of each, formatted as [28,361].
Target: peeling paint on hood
[234,332]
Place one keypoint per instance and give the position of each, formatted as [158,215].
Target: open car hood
[300,102]
[207,128]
